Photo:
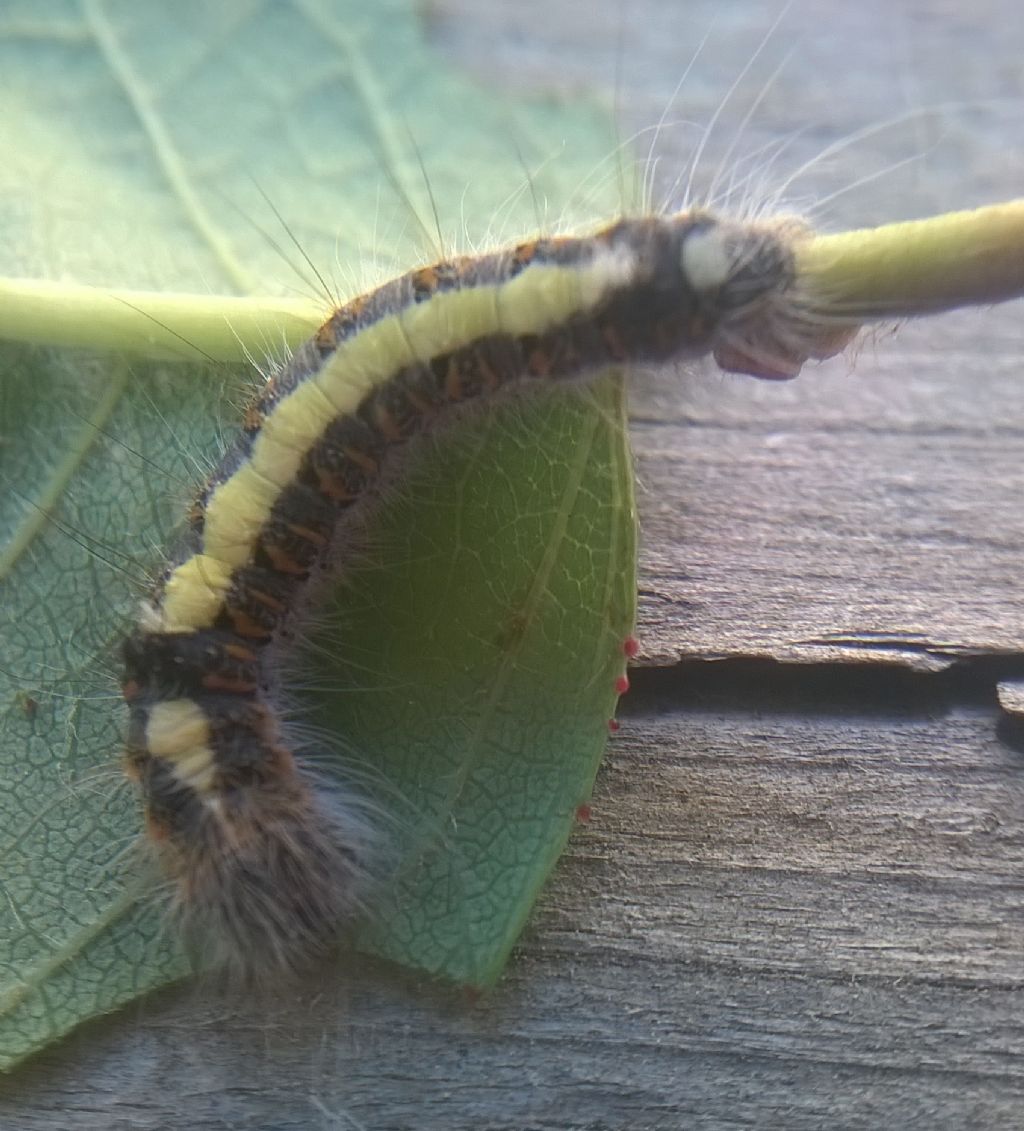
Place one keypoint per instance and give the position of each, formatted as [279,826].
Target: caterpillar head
[767,325]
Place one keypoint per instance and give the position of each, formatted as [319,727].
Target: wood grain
[873,515]
[799,903]
[803,909]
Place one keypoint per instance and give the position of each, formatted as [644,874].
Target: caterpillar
[265,870]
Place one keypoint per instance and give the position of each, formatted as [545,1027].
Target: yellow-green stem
[177,327]
[918,267]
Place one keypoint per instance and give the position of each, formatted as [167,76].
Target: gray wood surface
[798,904]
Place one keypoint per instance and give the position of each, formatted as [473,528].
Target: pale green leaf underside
[464,675]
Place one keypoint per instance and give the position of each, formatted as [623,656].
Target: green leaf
[465,672]
[481,640]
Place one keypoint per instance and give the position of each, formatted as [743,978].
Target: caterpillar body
[264,867]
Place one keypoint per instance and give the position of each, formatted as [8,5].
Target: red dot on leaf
[622,685]
[631,647]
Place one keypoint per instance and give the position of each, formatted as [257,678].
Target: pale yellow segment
[611,268]
[179,731]
[288,433]
[344,390]
[546,294]
[239,508]
[449,320]
[364,362]
[176,727]
[197,769]
[194,594]
[541,296]
[236,512]
[276,458]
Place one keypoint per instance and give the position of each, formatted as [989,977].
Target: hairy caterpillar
[263,871]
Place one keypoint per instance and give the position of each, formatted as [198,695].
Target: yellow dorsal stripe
[540,297]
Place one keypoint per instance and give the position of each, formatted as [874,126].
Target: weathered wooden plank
[876,515]
[778,917]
